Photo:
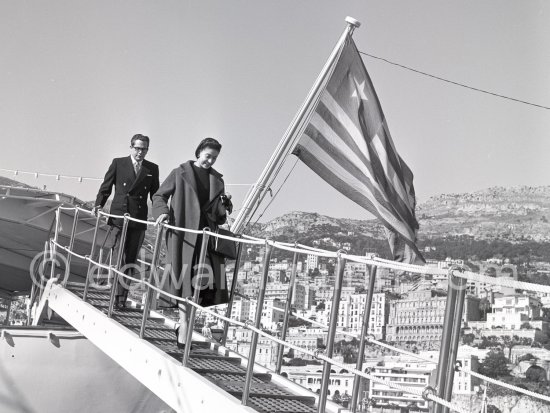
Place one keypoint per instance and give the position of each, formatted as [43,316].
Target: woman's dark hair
[208,143]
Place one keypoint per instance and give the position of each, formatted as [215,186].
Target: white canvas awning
[27,222]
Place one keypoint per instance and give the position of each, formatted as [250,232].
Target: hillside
[512,220]
[514,214]
[10,182]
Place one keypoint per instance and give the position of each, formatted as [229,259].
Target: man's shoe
[120,302]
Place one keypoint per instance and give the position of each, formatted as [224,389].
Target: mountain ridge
[512,213]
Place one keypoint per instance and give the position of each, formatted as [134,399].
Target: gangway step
[205,358]
[262,390]
[196,352]
[128,313]
[276,405]
[132,321]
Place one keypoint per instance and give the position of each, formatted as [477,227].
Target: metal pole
[456,323]
[443,364]
[196,293]
[331,333]
[53,246]
[94,240]
[232,293]
[152,278]
[36,285]
[100,260]
[42,272]
[71,245]
[287,312]
[257,323]
[118,264]
[109,280]
[258,192]
[364,333]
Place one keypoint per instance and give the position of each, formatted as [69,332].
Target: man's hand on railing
[162,218]
[96,210]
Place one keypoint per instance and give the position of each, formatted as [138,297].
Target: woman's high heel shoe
[181,346]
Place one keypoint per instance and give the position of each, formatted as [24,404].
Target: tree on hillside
[495,364]
[546,314]
[349,353]
[468,338]
[490,341]
[509,343]
[535,373]
[526,357]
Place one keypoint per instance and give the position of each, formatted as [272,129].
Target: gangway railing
[370,339]
[445,375]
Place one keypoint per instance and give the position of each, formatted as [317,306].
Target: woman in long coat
[197,199]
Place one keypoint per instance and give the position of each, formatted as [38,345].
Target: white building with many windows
[511,311]
[341,381]
[271,317]
[407,373]
[350,315]
[312,262]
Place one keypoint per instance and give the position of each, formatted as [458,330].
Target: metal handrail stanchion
[53,247]
[94,240]
[196,294]
[364,333]
[118,265]
[232,294]
[42,283]
[457,322]
[443,363]
[152,279]
[36,285]
[331,333]
[100,260]
[257,321]
[286,314]
[109,280]
[70,248]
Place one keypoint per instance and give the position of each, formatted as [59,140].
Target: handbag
[223,247]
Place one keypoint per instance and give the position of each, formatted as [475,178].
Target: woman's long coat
[184,211]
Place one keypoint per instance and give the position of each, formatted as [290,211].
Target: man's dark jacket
[131,192]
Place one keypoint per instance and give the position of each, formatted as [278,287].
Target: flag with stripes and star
[347,143]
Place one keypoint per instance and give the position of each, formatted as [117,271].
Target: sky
[79,78]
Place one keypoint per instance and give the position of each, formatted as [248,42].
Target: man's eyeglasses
[139,149]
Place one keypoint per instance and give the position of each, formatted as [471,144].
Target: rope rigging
[455,83]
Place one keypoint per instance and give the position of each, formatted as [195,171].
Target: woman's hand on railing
[162,218]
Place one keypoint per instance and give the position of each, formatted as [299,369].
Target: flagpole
[259,190]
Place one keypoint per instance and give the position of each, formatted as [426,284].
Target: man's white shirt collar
[134,162]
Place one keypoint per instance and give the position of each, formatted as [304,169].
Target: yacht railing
[441,395]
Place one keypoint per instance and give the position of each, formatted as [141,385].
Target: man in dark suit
[135,179]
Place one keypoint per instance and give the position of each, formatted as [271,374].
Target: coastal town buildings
[350,314]
[409,373]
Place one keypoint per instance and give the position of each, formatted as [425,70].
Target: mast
[259,190]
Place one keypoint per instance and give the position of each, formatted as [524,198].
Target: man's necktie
[136,169]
